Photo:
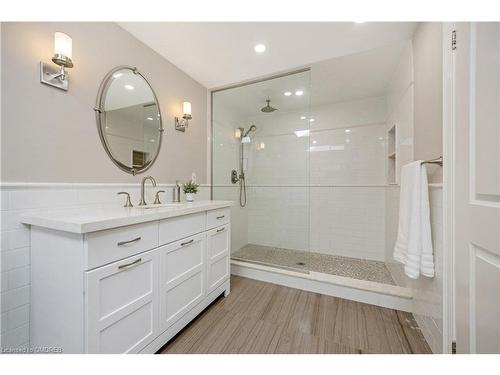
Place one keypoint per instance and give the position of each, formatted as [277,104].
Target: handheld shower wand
[235,177]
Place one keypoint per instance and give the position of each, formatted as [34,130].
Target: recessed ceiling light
[117,75]
[129,87]
[287,93]
[314,142]
[259,48]
[311,120]
[150,118]
[152,140]
[348,130]
[299,92]
[302,117]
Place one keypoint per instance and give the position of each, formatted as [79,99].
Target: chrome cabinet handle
[187,242]
[130,264]
[121,243]
[220,230]
[220,217]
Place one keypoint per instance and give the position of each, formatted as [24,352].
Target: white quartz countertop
[92,219]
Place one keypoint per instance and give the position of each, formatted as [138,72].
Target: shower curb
[384,295]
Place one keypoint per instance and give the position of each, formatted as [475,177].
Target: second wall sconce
[63,51]
[182,124]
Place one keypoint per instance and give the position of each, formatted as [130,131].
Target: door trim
[449,334]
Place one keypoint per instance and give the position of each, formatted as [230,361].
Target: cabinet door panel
[125,334]
[218,244]
[182,278]
[122,304]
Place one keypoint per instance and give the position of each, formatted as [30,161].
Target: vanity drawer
[176,228]
[218,217]
[111,245]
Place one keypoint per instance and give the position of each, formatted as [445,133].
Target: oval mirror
[129,119]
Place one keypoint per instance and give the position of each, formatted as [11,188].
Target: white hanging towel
[414,244]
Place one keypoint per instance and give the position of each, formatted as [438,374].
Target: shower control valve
[234,176]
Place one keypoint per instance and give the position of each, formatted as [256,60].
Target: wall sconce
[238,132]
[63,51]
[182,124]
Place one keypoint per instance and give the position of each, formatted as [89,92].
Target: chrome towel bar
[437,161]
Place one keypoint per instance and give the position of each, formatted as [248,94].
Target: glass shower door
[261,151]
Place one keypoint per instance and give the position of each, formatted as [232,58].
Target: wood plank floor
[259,317]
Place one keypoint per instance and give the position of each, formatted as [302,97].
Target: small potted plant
[190,188]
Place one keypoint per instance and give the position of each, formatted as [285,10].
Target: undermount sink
[163,205]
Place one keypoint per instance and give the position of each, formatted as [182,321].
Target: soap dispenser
[176,192]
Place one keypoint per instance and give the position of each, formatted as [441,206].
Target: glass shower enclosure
[260,160]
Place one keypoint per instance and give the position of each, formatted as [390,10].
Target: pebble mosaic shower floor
[361,269]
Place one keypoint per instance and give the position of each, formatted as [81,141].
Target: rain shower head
[268,108]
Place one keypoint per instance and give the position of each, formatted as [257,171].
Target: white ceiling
[346,78]
[217,54]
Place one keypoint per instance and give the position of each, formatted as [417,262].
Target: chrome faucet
[143,182]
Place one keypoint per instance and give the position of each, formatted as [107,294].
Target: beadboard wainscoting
[19,198]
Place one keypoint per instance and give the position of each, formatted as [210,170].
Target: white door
[477,187]
[182,278]
[218,253]
[122,305]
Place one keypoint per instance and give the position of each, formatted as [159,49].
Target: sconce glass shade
[63,49]
[186,110]
[63,44]
[237,133]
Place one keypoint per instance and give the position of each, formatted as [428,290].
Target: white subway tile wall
[15,240]
[348,221]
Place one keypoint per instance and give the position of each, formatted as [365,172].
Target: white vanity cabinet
[129,288]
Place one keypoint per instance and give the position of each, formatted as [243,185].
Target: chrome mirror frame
[101,119]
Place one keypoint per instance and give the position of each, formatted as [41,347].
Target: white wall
[60,127]
[400,103]
[419,123]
